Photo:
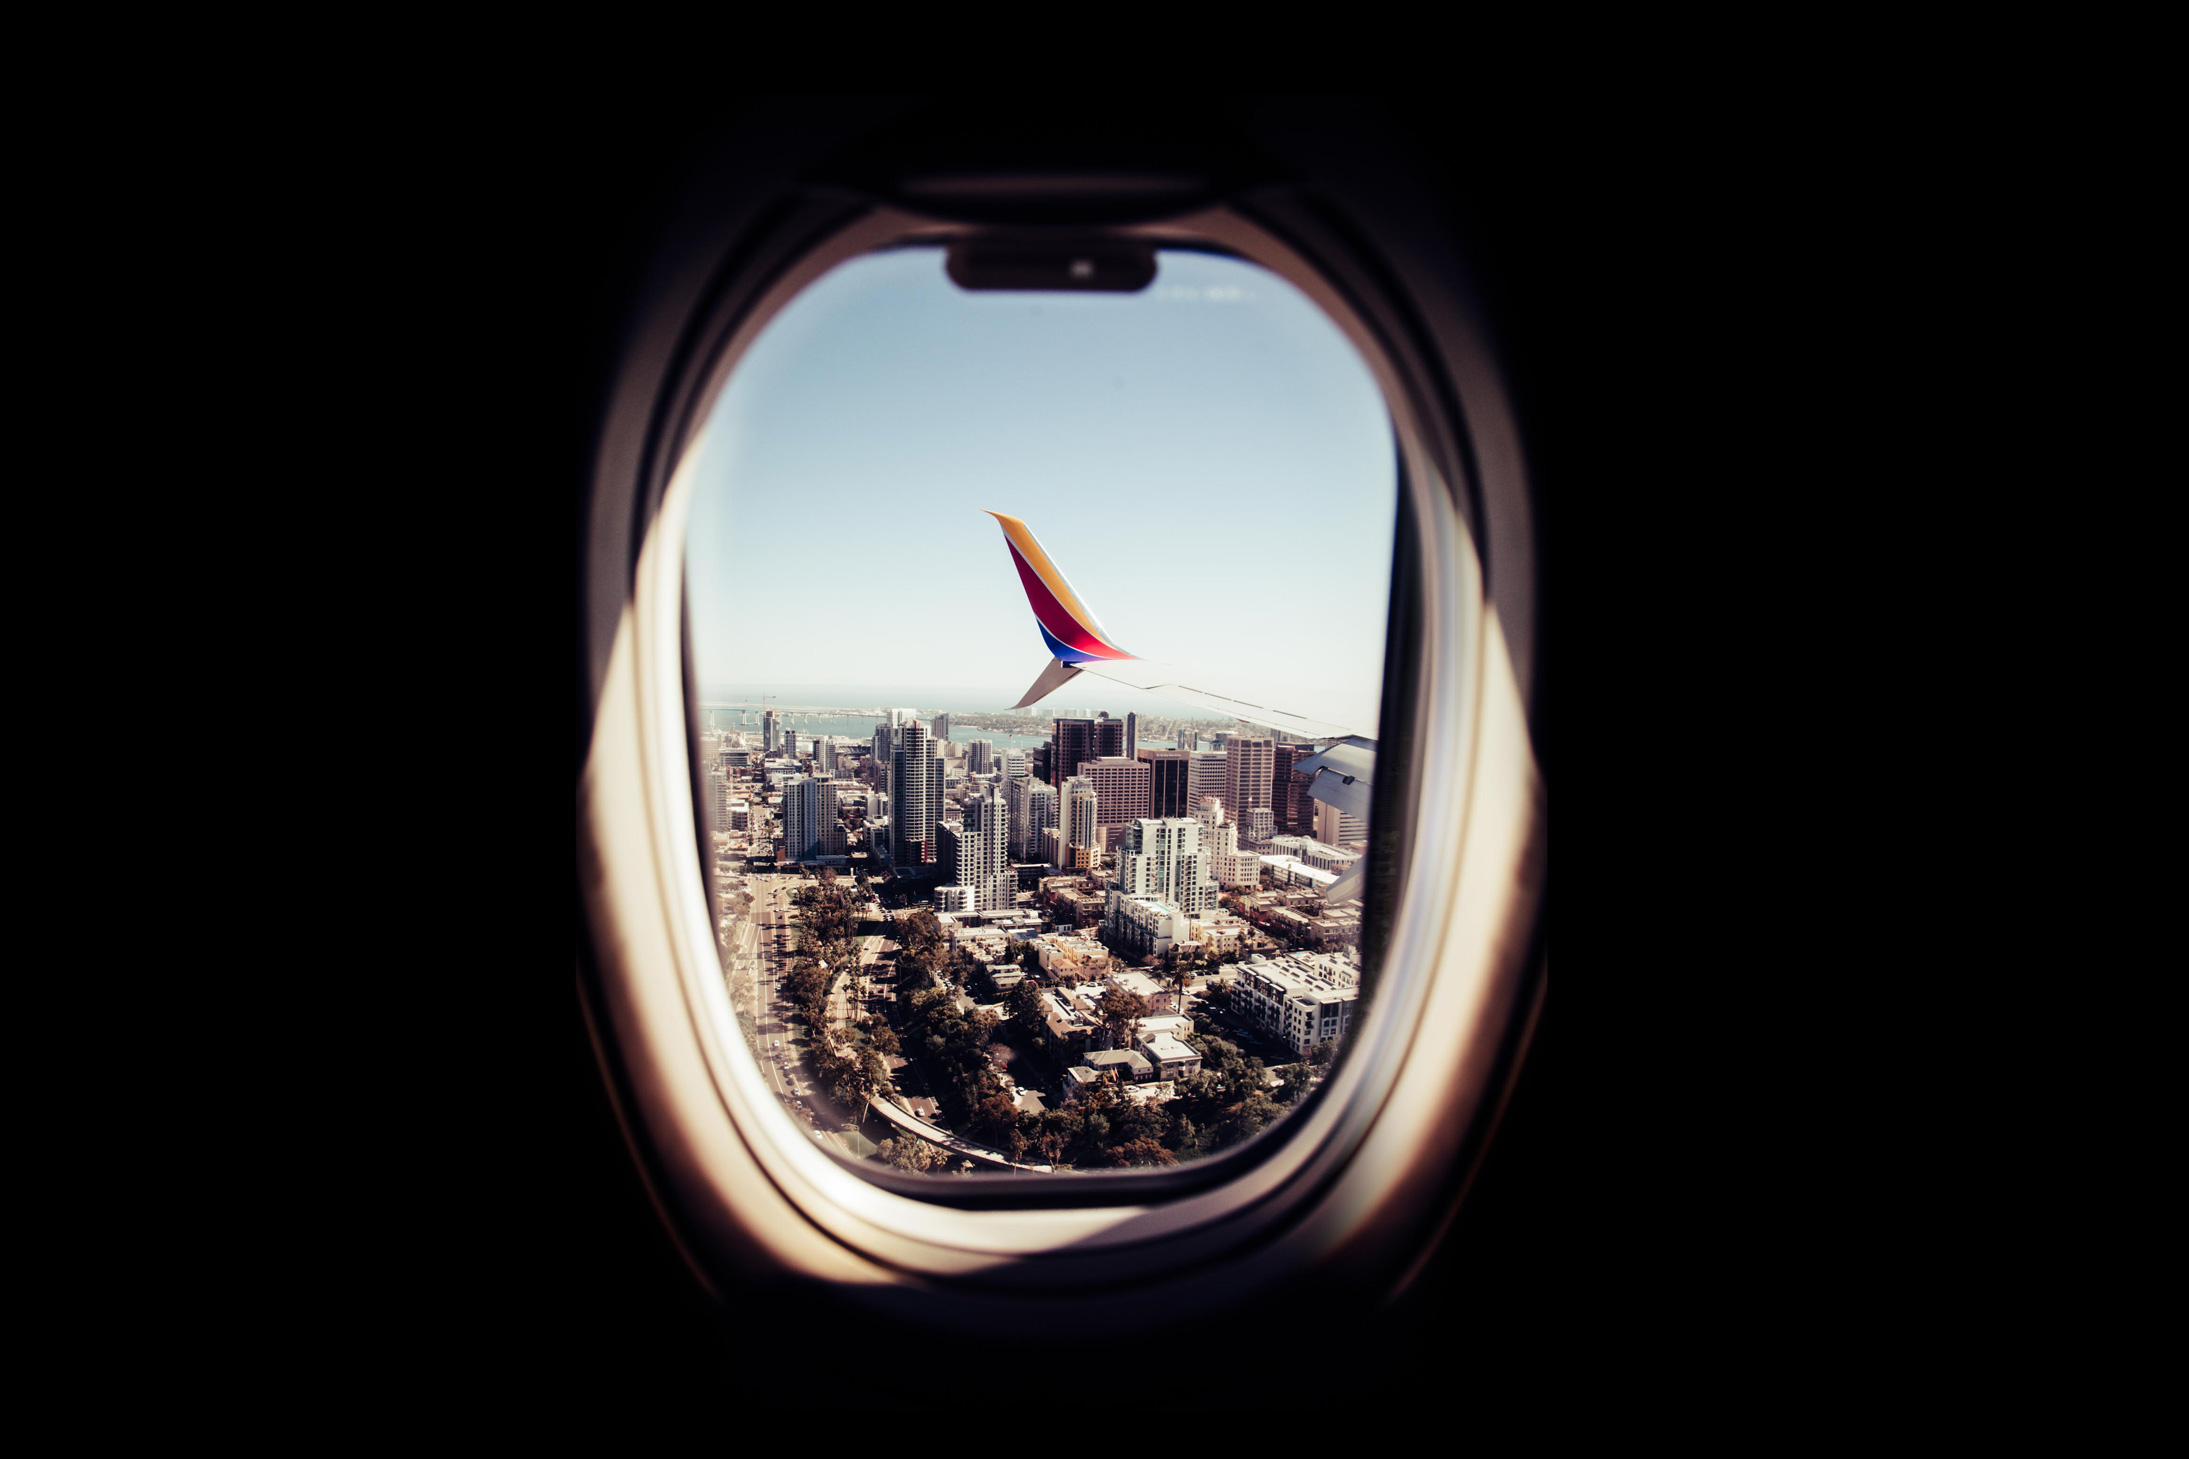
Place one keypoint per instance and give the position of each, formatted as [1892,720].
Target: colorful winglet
[1071,631]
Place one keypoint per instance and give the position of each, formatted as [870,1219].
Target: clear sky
[1208,461]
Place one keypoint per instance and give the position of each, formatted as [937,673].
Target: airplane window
[1038,640]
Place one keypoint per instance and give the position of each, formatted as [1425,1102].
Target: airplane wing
[1078,644]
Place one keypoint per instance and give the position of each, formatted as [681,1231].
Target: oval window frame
[1373,1156]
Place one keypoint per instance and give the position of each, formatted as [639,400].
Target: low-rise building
[1080,907]
[1219,932]
[1170,1057]
[1326,927]
[1300,999]
[1127,1066]
[1145,926]
[1315,853]
[1177,1025]
[1071,1028]
[1161,997]
[1290,871]
[1069,958]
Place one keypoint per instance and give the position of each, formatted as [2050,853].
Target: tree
[1141,1152]
[1183,962]
[1252,1114]
[1297,1078]
[910,1153]
[1120,1011]
[1023,1004]
[995,1121]
[922,936]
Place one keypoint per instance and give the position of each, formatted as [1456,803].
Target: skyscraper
[829,815]
[1033,811]
[771,731]
[1289,799]
[1132,735]
[1205,776]
[885,753]
[802,818]
[1070,741]
[1250,763]
[1170,783]
[1081,836]
[975,856]
[1109,735]
[1076,741]
[916,797]
[1162,857]
[942,726]
[1121,790]
[980,757]
[1014,764]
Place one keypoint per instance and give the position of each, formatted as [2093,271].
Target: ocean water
[806,717]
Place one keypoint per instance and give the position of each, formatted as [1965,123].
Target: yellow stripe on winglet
[1022,537]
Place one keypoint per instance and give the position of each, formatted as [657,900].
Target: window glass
[1090,932]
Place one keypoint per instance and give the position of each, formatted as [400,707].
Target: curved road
[936,1135]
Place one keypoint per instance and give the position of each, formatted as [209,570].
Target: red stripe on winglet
[1054,616]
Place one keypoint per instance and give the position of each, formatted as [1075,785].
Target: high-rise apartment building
[1163,858]
[771,731]
[1014,764]
[942,726]
[1081,831]
[830,811]
[975,854]
[916,797]
[1220,840]
[1033,811]
[980,757]
[1170,782]
[802,818]
[1250,763]
[1038,764]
